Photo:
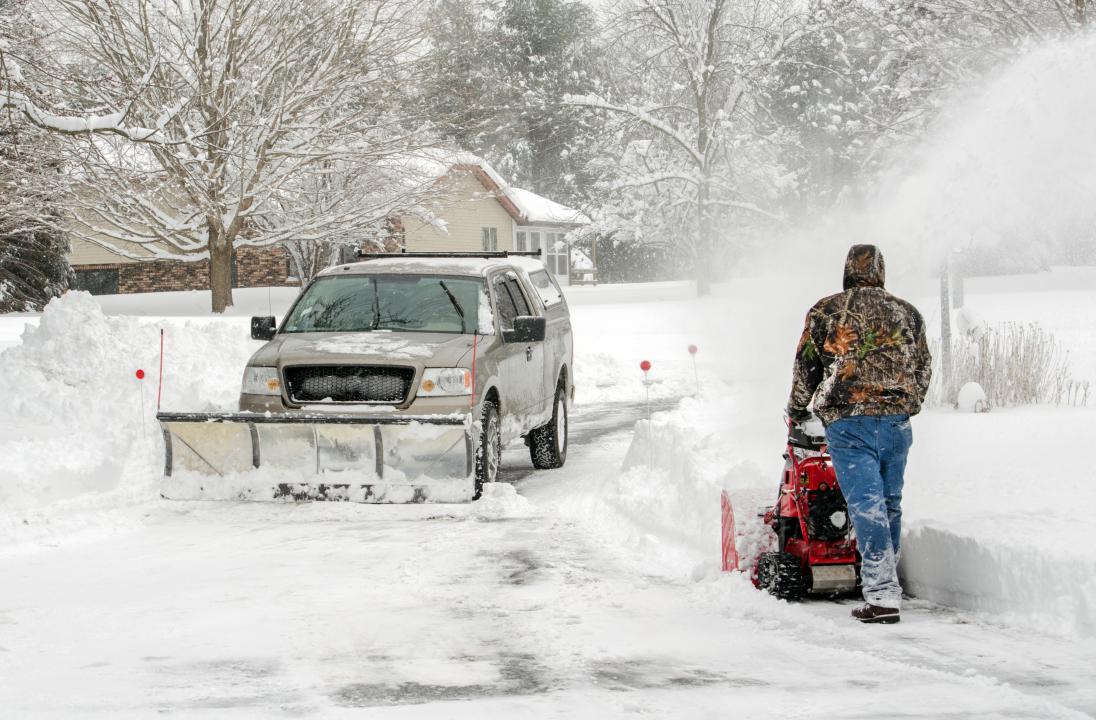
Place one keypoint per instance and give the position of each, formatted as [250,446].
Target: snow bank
[988,526]
[663,504]
[603,377]
[1050,591]
[997,515]
[77,422]
[618,326]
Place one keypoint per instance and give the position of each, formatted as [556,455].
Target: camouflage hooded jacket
[863,351]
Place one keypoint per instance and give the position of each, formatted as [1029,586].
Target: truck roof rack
[499,254]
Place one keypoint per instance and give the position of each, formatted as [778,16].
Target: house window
[490,238]
[557,255]
[97,282]
[521,242]
[534,241]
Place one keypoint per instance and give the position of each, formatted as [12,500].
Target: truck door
[521,369]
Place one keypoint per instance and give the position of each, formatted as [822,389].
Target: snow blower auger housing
[395,380]
[815,549]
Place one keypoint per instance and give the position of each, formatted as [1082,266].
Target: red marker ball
[140,374]
[693,349]
[645,365]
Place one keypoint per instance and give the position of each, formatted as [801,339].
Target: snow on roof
[537,209]
[532,209]
[410,264]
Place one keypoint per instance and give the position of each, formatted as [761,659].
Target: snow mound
[663,505]
[78,420]
[500,501]
[972,398]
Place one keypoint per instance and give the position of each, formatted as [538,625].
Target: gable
[463,207]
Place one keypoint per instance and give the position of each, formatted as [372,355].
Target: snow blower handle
[805,430]
[794,417]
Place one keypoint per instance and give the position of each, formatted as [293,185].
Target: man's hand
[797,416]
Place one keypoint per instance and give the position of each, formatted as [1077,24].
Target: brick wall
[255,267]
[262,267]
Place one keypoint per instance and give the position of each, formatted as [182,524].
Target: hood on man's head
[864,267]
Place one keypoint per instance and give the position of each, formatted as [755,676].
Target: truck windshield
[415,303]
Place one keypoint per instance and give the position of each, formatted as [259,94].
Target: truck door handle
[529,354]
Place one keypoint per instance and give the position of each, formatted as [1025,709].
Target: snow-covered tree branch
[682,110]
[246,102]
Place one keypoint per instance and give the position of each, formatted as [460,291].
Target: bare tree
[237,105]
[684,114]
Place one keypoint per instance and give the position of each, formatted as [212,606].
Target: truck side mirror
[526,329]
[263,328]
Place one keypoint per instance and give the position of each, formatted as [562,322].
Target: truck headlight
[262,381]
[443,382]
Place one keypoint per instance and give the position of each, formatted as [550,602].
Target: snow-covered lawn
[590,592]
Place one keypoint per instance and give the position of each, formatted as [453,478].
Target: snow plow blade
[300,457]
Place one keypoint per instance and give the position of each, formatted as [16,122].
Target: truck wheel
[489,450]
[779,574]
[548,443]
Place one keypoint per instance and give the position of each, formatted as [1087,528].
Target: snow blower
[814,550]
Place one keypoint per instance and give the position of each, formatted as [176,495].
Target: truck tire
[779,574]
[548,443]
[489,448]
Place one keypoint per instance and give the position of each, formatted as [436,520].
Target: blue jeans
[869,455]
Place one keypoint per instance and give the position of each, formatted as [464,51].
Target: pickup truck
[486,335]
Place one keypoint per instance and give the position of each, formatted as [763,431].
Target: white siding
[85,252]
[82,252]
[466,207]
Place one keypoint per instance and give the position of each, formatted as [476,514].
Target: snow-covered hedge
[1015,363]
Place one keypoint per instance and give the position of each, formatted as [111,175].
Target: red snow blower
[815,551]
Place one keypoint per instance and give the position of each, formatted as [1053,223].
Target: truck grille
[348,383]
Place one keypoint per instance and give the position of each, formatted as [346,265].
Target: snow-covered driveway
[588,592]
[511,610]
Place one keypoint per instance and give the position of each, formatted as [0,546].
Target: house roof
[524,206]
[539,210]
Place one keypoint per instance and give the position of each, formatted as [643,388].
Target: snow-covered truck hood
[380,347]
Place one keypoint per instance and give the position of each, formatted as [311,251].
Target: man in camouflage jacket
[864,362]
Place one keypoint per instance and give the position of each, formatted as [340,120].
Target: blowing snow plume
[1009,169]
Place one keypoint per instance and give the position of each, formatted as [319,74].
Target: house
[472,209]
[478,210]
[102,272]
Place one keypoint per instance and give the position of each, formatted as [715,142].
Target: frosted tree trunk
[220,268]
[945,325]
[704,244]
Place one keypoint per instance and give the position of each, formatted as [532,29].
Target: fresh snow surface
[374,343]
[537,209]
[589,592]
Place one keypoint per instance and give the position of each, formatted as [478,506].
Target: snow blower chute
[378,458]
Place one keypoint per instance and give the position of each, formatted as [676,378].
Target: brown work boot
[868,613]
